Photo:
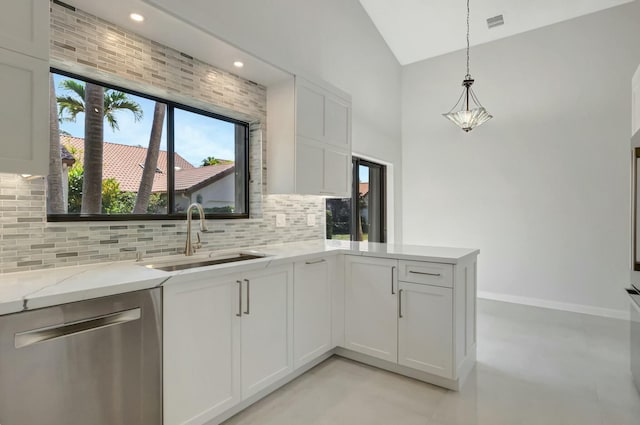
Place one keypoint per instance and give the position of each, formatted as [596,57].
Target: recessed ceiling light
[238,64]
[137,17]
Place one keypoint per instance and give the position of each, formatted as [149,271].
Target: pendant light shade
[468,113]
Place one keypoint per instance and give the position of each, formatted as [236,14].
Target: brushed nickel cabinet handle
[425,273]
[248,310]
[400,303]
[315,262]
[239,313]
[24,339]
[393,270]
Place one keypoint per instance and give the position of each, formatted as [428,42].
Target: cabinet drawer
[427,273]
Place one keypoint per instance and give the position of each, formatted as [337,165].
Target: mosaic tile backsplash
[103,51]
[30,243]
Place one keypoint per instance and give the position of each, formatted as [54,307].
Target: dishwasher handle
[24,339]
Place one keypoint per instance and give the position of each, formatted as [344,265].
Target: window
[361,217]
[126,155]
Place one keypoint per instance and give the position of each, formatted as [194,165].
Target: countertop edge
[68,284]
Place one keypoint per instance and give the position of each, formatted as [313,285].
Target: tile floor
[535,366]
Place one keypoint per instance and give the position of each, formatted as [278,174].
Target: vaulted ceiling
[421,29]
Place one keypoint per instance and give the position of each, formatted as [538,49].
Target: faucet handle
[198,244]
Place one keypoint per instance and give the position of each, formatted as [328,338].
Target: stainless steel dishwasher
[95,362]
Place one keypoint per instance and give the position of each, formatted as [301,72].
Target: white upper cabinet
[309,112]
[24,79]
[24,27]
[309,139]
[24,121]
[635,105]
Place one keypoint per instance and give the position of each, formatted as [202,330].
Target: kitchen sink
[190,263]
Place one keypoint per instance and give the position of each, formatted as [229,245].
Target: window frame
[171,106]
[355,193]
[356,162]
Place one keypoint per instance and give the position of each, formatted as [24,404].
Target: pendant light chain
[468,11]
[467,117]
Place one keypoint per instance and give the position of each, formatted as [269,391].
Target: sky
[196,136]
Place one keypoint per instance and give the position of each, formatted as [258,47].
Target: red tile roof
[364,188]
[187,179]
[125,164]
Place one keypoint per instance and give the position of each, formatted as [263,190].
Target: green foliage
[76,174]
[157,204]
[227,209]
[113,200]
[210,161]
[329,225]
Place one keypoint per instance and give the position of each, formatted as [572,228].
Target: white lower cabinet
[225,339]
[415,324]
[371,307]
[425,328]
[312,309]
[229,338]
[267,329]
[201,348]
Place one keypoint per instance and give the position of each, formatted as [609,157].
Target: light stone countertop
[43,288]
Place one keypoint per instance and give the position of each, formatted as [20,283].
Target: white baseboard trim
[556,305]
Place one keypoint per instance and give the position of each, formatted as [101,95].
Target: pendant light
[468,113]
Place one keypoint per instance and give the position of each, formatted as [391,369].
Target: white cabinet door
[24,27]
[312,309]
[201,349]
[267,328]
[309,149]
[309,111]
[337,170]
[24,116]
[425,328]
[309,168]
[337,120]
[371,307]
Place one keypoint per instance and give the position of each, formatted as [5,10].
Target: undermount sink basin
[190,263]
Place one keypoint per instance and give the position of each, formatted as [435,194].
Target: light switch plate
[281,220]
[311,219]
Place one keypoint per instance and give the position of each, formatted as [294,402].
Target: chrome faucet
[190,248]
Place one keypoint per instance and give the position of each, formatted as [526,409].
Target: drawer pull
[393,272]
[308,263]
[239,313]
[425,273]
[248,310]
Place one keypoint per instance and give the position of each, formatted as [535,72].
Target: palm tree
[114,101]
[54,179]
[98,105]
[151,161]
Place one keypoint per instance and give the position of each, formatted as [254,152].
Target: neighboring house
[213,186]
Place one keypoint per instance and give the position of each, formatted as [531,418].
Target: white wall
[543,188]
[333,40]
